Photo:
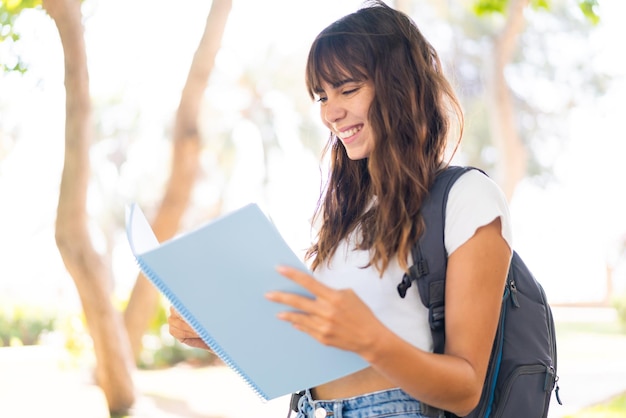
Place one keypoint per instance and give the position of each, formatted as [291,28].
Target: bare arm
[474,285]
[452,381]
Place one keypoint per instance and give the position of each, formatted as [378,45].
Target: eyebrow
[336,84]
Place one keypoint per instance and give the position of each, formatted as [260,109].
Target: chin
[356,155]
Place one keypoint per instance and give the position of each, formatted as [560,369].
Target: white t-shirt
[474,201]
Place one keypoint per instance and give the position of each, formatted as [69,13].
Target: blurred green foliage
[615,408]
[484,7]
[10,10]
[23,326]
[589,8]
[161,350]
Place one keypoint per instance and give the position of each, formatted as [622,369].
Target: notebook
[216,277]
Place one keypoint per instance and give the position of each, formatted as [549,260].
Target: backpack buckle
[404,285]
[417,270]
[436,316]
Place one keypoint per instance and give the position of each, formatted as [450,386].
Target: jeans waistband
[392,401]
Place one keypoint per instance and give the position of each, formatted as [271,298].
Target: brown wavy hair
[411,115]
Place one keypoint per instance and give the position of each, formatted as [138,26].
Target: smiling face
[344,109]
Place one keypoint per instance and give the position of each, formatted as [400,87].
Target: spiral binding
[202,333]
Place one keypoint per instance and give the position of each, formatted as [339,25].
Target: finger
[299,303]
[299,320]
[313,325]
[181,333]
[195,343]
[174,314]
[176,320]
[305,280]
[179,328]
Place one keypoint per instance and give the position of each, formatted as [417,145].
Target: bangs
[332,61]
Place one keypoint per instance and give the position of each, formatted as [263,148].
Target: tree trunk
[144,298]
[513,161]
[91,276]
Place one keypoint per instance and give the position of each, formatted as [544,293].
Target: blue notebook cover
[216,277]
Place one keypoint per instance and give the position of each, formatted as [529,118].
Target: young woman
[390,110]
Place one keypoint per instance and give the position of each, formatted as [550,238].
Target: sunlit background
[569,217]
[136,75]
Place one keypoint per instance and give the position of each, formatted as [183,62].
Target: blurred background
[194,108]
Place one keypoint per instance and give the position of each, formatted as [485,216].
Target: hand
[180,329]
[337,318]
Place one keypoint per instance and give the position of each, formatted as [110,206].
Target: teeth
[348,133]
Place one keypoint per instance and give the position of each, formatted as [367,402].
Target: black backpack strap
[429,255]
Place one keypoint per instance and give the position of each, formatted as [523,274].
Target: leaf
[540,4]
[484,7]
[589,9]
[13,5]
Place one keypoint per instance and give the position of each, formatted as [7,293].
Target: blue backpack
[522,369]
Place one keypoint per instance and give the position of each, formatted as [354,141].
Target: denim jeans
[386,403]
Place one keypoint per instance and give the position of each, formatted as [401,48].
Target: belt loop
[295,398]
[430,411]
[338,410]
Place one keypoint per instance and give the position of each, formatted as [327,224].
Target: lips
[345,134]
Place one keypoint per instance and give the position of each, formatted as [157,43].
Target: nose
[333,111]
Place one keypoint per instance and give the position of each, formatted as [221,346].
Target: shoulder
[474,201]
[475,185]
